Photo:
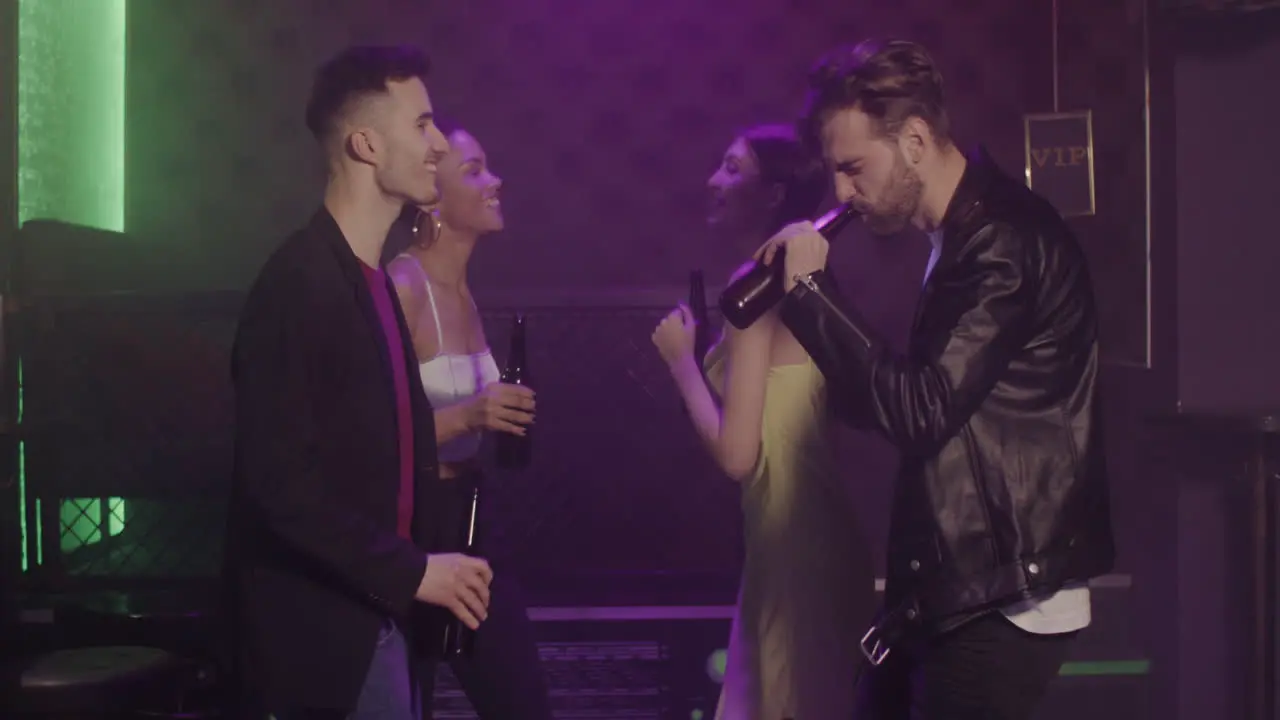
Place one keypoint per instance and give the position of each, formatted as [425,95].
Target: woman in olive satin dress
[808,586]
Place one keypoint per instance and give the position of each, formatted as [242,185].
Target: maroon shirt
[400,377]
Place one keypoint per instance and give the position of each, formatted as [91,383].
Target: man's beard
[900,203]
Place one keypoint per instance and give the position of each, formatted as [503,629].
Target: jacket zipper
[809,284]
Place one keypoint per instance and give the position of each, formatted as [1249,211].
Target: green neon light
[717,663]
[39,534]
[71,111]
[115,516]
[71,154]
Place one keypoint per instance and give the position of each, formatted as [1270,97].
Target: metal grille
[129,446]
[141,537]
[124,398]
[127,422]
[620,481]
[85,521]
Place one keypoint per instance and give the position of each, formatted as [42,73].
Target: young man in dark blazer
[335,454]
[1001,510]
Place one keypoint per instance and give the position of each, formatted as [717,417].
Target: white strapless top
[449,378]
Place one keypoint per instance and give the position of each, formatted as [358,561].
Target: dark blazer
[314,564]
[1003,492]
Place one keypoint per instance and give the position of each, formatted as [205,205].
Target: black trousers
[503,676]
[986,669]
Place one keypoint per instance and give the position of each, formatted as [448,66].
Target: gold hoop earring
[435,225]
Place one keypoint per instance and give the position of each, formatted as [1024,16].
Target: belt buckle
[877,652]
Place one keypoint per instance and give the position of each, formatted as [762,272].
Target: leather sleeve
[920,402]
[278,473]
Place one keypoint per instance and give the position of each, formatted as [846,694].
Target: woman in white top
[502,677]
[808,587]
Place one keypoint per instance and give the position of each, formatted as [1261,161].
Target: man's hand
[460,583]
[806,251]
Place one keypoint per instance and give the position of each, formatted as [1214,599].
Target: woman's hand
[674,336]
[501,408]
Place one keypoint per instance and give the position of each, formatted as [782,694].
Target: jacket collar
[324,227]
[963,214]
[966,204]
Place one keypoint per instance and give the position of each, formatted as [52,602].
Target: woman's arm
[453,421]
[731,433]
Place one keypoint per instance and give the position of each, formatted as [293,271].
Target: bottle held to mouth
[762,287]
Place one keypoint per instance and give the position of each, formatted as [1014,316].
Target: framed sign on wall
[1059,160]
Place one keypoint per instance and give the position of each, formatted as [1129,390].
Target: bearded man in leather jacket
[1001,512]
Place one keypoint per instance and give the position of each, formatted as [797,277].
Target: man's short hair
[355,75]
[889,81]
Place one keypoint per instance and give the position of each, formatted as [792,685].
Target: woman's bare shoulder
[405,272]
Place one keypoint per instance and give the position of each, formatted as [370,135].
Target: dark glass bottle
[698,306]
[515,451]
[761,287]
[460,640]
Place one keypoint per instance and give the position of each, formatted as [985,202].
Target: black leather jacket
[1002,492]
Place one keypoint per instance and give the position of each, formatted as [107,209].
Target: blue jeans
[390,690]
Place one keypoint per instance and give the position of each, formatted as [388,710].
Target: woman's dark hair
[785,161]
[447,125]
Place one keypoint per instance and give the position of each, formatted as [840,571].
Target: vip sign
[1059,162]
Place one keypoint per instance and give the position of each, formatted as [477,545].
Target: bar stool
[178,619]
[98,682]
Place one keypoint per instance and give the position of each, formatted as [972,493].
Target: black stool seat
[98,679]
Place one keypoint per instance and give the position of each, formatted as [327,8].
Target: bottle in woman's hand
[502,408]
[702,323]
[515,451]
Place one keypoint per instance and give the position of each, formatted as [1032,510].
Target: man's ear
[913,138]
[364,145]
